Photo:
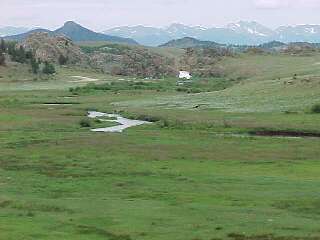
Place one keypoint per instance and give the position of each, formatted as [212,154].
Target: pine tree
[2,59]
[48,68]
[21,55]
[35,66]
[11,49]
[3,47]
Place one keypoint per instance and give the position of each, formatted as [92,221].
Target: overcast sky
[103,14]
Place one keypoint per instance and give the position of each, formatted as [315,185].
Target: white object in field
[185,75]
[124,123]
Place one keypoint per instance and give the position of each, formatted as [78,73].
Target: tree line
[20,55]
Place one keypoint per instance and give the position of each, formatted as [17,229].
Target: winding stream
[124,123]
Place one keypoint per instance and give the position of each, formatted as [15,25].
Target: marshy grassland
[197,173]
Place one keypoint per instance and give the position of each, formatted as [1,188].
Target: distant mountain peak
[77,33]
[71,23]
[177,25]
[250,27]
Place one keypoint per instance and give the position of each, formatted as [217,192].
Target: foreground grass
[195,174]
[60,181]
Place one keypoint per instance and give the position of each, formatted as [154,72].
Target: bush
[315,108]
[164,123]
[148,118]
[85,123]
[63,60]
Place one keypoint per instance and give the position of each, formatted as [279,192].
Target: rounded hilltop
[50,48]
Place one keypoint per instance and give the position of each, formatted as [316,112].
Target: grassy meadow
[195,174]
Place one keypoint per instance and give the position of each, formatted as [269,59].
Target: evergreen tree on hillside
[48,68]
[2,59]
[21,55]
[29,55]
[2,51]
[35,65]
[3,47]
[17,55]
[11,49]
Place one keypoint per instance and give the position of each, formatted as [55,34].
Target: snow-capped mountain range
[5,31]
[243,33]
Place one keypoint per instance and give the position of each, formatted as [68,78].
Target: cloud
[271,4]
[277,4]
[102,14]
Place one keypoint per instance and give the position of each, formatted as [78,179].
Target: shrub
[181,89]
[164,123]
[62,60]
[85,123]
[91,109]
[315,108]
[97,120]
[148,118]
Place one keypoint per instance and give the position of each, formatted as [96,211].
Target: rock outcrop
[52,48]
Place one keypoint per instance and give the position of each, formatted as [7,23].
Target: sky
[103,14]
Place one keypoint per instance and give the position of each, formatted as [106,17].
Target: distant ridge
[188,42]
[23,36]
[294,48]
[76,33]
[5,31]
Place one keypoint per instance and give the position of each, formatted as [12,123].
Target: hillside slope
[129,60]
[269,83]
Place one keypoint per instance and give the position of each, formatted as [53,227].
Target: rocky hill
[205,62]
[51,48]
[117,59]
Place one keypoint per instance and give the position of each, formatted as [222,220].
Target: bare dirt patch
[81,79]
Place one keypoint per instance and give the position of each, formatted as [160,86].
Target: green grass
[18,77]
[196,174]
[267,85]
[197,85]
[273,66]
